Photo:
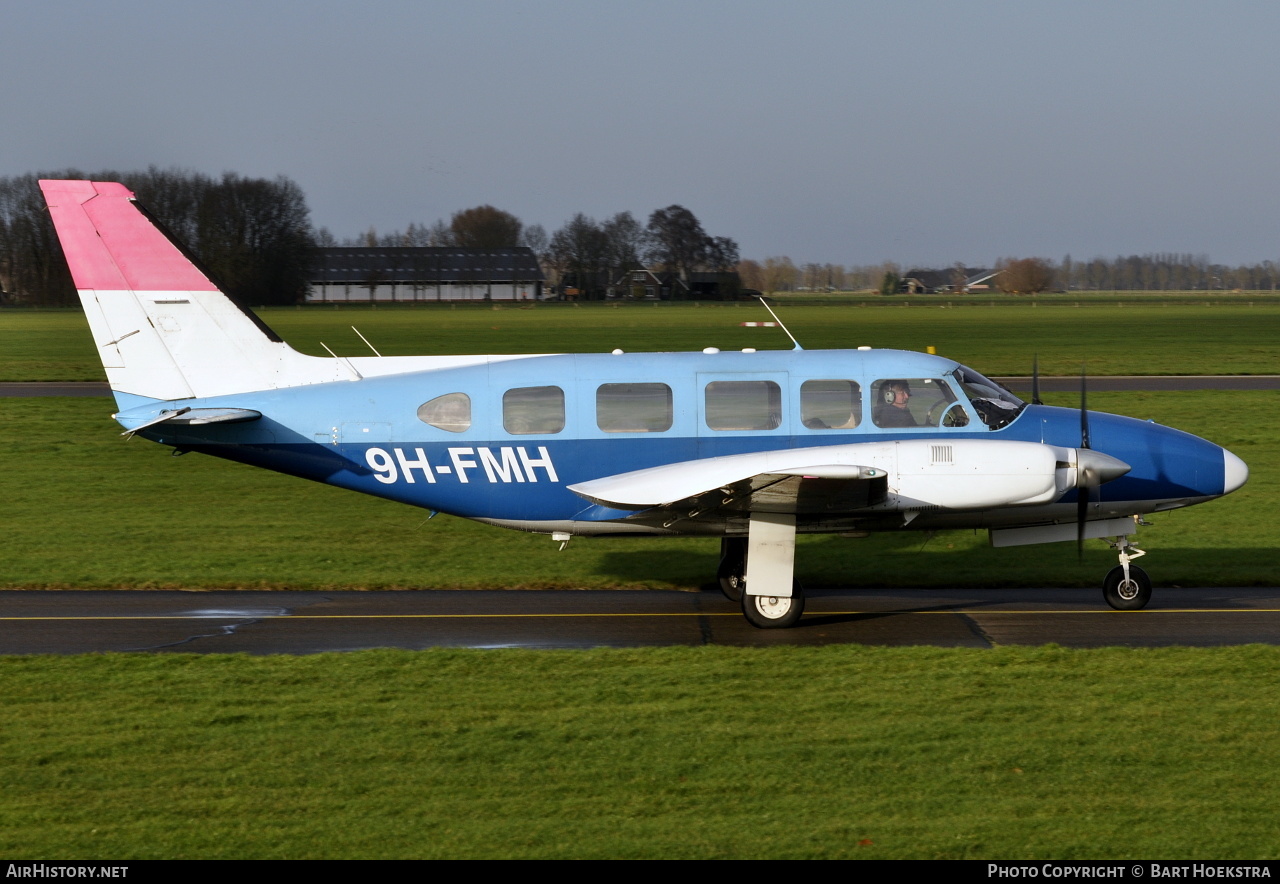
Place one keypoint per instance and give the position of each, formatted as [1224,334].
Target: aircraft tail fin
[163,328]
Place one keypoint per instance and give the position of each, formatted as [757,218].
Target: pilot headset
[887,391]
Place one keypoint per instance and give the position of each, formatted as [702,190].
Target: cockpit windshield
[996,406]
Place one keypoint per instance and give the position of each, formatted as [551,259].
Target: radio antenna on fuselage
[781,324]
[366,340]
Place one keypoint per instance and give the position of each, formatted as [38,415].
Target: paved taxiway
[91,621]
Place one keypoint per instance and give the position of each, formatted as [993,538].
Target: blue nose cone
[1168,464]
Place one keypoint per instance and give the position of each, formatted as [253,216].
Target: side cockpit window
[916,402]
[830,405]
[533,410]
[451,412]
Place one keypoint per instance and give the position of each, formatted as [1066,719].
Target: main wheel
[1127,595]
[732,572]
[774,612]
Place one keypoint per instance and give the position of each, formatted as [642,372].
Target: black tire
[732,572]
[1132,596]
[774,612]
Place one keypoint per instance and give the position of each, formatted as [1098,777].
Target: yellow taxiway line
[983,611]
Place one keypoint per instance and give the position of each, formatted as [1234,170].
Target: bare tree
[752,274]
[535,238]
[1024,276]
[256,236]
[722,254]
[625,243]
[677,240]
[579,253]
[779,274]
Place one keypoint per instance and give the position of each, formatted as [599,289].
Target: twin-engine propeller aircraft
[752,447]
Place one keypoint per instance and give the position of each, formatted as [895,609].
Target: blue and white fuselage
[367,436]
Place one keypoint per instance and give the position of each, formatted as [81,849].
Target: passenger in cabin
[891,410]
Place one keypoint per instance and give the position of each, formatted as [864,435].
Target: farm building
[443,273]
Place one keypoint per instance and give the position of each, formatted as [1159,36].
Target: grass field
[1010,753]
[1122,337]
[1030,753]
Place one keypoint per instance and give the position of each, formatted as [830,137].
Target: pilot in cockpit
[892,408]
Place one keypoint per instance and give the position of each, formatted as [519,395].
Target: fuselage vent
[941,453]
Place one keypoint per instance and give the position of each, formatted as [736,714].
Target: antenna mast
[781,324]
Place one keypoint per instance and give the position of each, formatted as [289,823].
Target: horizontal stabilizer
[194,417]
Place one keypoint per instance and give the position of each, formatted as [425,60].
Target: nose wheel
[1127,587]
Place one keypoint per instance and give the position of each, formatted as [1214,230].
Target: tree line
[252,235]
[780,274]
[585,254]
[1162,272]
[1151,272]
[255,238]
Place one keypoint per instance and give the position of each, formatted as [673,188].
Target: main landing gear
[757,572]
[774,612]
[1127,587]
[732,572]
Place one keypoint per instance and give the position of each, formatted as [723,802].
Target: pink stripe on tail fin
[111,246]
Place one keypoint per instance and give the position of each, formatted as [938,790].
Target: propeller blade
[1084,410]
[1093,468]
[1082,513]
[1082,494]
[1035,380]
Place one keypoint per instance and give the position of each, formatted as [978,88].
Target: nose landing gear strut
[1127,587]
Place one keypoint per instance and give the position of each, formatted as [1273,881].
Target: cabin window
[743,405]
[451,412]
[633,408]
[916,402]
[533,410]
[830,405]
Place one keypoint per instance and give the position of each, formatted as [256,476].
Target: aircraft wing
[771,481]
[834,480]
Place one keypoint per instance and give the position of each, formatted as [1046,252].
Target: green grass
[85,508]
[1118,337]
[1012,753]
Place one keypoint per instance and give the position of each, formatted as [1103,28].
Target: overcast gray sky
[845,132]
